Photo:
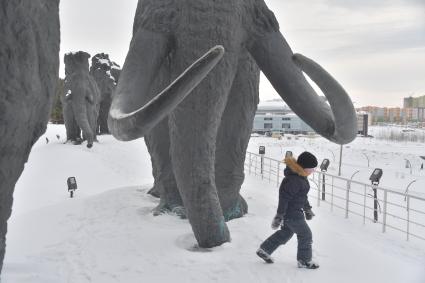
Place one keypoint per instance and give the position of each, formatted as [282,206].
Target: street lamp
[72,185]
[288,153]
[408,165]
[366,158]
[262,151]
[340,160]
[407,189]
[333,154]
[375,178]
[324,167]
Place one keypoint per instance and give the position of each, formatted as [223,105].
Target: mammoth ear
[338,123]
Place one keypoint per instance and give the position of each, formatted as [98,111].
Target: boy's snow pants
[280,237]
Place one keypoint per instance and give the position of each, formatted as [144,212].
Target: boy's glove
[277,221]
[309,214]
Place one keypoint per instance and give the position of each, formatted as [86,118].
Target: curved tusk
[345,118]
[337,123]
[126,124]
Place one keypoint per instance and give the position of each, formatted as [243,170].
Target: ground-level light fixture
[375,178]
[262,149]
[288,153]
[72,186]
[325,164]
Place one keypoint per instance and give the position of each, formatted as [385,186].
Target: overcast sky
[374,48]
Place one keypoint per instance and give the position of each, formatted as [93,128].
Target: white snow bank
[108,234]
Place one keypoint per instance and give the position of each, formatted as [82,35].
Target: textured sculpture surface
[81,99]
[29,64]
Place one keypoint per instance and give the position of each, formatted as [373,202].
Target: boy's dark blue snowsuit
[292,201]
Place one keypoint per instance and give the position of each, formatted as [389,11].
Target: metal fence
[402,212]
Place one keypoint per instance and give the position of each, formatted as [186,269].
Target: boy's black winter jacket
[293,191]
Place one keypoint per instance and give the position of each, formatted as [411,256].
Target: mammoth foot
[77,141]
[239,209]
[177,210]
[154,192]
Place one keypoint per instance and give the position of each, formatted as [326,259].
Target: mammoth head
[335,121]
[76,61]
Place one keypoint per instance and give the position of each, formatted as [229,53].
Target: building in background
[363,123]
[412,112]
[274,116]
[282,123]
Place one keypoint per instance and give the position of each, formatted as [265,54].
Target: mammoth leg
[29,65]
[83,121]
[233,137]
[193,131]
[73,132]
[158,144]
[105,105]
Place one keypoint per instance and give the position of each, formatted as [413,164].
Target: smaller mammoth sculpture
[80,100]
[106,74]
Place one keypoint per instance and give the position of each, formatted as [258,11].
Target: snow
[104,61]
[107,233]
[68,93]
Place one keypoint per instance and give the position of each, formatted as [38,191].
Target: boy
[290,217]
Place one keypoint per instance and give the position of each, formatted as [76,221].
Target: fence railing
[392,209]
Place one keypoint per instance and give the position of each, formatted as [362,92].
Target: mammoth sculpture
[29,66]
[81,99]
[190,113]
[105,73]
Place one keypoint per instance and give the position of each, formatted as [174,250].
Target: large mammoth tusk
[130,117]
[338,123]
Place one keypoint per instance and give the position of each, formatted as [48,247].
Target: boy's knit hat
[307,160]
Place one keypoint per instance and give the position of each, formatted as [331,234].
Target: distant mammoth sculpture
[106,74]
[81,99]
[193,109]
[29,65]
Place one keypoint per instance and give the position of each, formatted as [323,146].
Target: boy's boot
[264,255]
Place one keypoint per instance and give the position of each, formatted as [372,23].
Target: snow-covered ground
[108,234]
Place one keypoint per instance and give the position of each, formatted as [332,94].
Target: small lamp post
[333,154]
[375,178]
[368,162]
[72,186]
[288,153]
[407,189]
[408,165]
[262,151]
[324,167]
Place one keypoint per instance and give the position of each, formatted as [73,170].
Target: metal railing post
[364,205]
[318,191]
[262,164]
[270,170]
[384,217]
[278,174]
[408,218]
[347,198]
[375,204]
